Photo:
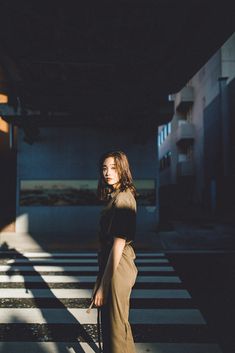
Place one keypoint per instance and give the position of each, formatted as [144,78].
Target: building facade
[58,175]
[196,148]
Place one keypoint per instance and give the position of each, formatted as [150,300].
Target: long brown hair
[124,173]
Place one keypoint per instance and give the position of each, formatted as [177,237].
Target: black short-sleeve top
[118,218]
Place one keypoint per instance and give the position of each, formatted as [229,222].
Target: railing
[185,168]
[185,132]
[184,99]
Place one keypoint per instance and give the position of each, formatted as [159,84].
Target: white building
[196,161]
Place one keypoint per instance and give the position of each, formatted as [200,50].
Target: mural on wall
[75,192]
[146,191]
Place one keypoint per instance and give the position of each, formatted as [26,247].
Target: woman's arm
[112,264]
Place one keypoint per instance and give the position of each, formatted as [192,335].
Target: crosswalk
[44,297]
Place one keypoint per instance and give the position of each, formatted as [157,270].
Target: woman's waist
[128,250]
[105,248]
[107,242]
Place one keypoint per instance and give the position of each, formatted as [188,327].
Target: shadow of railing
[73,332]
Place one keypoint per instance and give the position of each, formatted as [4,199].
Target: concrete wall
[228,59]
[73,153]
[206,88]
[7,180]
[206,112]
[168,175]
[218,147]
[212,140]
[205,116]
[231,90]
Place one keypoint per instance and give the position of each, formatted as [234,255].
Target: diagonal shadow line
[82,332]
[4,345]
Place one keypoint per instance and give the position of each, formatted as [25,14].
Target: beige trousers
[116,330]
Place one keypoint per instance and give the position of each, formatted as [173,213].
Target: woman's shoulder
[125,198]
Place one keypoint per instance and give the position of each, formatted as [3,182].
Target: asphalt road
[210,279]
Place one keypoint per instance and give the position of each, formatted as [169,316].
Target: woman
[117,270]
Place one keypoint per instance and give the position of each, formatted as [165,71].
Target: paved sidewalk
[198,236]
[174,236]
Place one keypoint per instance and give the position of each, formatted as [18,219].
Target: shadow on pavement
[74,332]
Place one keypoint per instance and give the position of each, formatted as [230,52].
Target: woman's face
[110,173]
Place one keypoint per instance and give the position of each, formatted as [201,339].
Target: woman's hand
[113,261]
[96,299]
[100,296]
[95,288]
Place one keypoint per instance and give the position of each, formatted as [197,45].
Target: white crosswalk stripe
[41,268]
[137,316]
[79,279]
[41,292]
[65,347]
[86,293]
[93,260]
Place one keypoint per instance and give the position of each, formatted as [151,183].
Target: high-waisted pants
[116,330]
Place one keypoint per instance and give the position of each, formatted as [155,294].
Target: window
[165,161]
[168,158]
[189,115]
[169,128]
[164,132]
[190,152]
[161,137]
[159,140]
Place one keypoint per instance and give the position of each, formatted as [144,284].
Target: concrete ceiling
[106,62]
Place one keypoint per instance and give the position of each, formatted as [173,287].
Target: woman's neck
[116,186]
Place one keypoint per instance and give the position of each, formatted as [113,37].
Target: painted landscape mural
[75,192]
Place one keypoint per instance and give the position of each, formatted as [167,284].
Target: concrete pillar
[224,116]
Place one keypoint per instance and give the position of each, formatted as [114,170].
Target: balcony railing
[184,99]
[185,168]
[185,132]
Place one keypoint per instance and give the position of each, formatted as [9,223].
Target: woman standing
[117,270]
